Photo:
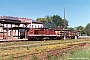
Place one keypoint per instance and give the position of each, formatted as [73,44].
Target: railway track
[40,44]
[29,44]
[57,52]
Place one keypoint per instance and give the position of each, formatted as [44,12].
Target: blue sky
[77,11]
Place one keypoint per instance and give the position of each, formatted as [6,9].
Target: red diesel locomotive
[50,34]
[41,34]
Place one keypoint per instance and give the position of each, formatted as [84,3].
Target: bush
[34,57]
[48,57]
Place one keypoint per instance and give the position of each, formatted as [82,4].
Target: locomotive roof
[60,28]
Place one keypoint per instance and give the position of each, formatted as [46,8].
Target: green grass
[83,54]
[77,55]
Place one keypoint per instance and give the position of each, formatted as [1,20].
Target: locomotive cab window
[36,31]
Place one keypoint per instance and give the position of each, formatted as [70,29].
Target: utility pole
[64,24]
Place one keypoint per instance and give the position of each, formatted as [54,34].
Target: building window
[15,33]
[41,26]
[23,25]
[38,26]
[6,25]
[32,26]
[10,33]
[35,26]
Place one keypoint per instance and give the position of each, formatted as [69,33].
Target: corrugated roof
[9,17]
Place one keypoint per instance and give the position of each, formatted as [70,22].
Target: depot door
[22,33]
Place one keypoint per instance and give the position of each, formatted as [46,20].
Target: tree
[53,21]
[81,29]
[70,28]
[87,29]
[47,21]
[43,20]
[57,20]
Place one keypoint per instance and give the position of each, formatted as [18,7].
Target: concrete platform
[7,40]
[84,37]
